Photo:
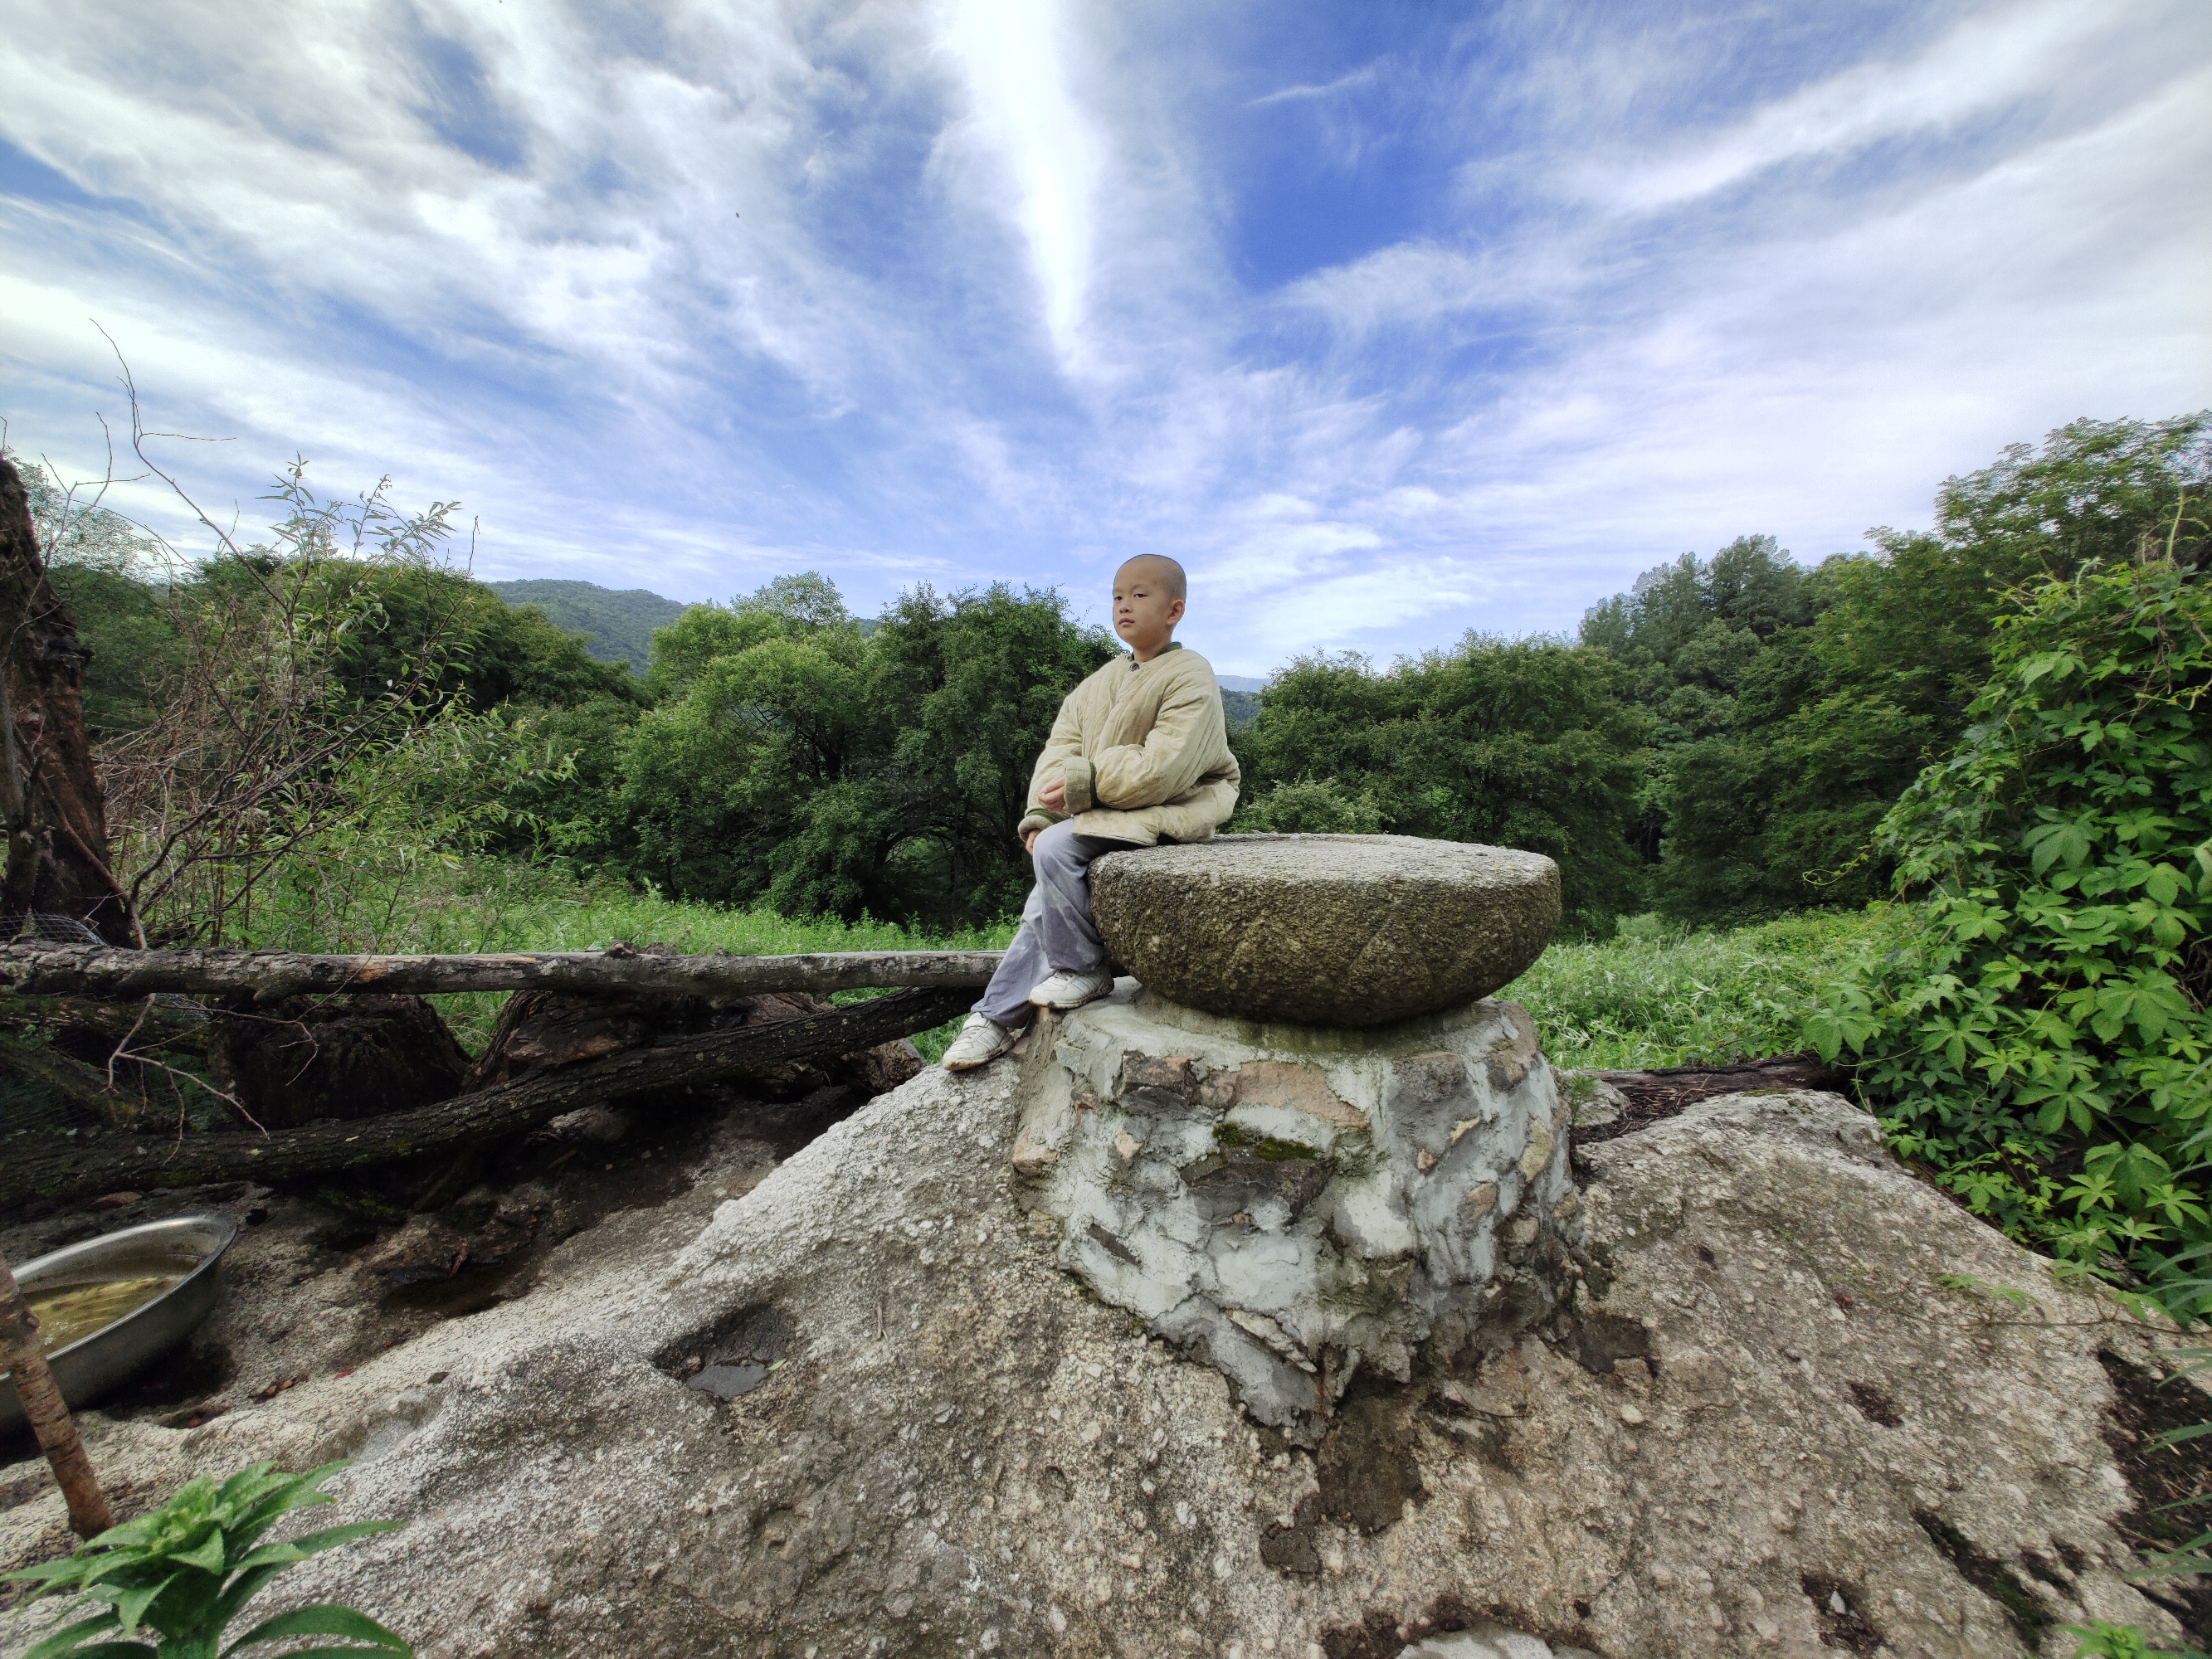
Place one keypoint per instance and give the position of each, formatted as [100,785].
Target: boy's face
[1146,607]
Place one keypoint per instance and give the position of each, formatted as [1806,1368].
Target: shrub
[2043,1041]
[1310,807]
[1658,994]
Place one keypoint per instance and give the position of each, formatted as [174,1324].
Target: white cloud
[981,316]
[1012,57]
[1362,76]
[1990,61]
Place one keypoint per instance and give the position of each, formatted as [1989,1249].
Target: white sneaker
[1072,990]
[981,1042]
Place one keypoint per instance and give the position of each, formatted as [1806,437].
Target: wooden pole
[40,967]
[47,1412]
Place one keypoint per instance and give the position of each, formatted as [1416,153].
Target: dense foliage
[1719,743]
[181,1574]
[2043,1040]
[1518,743]
[1723,739]
[322,721]
[791,760]
[1658,994]
[1793,706]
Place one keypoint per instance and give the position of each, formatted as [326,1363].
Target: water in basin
[71,1313]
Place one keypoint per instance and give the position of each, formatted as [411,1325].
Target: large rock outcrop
[1297,1205]
[1326,930]
[1774,1420]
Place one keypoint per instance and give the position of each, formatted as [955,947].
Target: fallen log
[140,1163]
[1648,1097]
[41,968]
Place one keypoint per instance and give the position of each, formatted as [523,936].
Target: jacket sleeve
[1063,750]
[1171,760]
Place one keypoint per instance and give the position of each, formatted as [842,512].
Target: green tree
[793,761]
[785,607]
[1792,707]
[1516,743]
[975,678]
[490,653]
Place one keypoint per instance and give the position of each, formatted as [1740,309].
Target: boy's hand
[1054,796]
[1029,842]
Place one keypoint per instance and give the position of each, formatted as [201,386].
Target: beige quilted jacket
[1144,751]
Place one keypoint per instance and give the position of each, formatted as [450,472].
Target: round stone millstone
[1325,930]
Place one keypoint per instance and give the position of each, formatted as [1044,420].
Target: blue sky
[1389,321]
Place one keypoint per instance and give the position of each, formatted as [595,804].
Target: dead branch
[154,1023]
[85,1085]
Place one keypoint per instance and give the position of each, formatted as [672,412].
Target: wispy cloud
[1388,324]
[1981,66]
[1011,55]
[1365,76]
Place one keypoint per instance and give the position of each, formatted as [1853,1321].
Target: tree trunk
[50,805]
[46,1412]
[31,967]
[139,1163]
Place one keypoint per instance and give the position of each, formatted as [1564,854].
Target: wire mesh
[22,927]
[27,1107]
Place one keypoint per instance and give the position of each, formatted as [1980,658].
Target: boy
[1139,755]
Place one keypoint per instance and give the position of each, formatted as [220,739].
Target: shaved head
[1156,568]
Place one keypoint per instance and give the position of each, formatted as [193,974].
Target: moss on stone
[1266,1147]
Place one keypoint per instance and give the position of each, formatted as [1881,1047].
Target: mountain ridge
[616,624]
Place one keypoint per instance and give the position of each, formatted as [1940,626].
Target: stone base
[1295,1205]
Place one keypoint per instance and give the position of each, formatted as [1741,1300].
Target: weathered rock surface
[1326,930]
[1296,1206]
[1771,1424]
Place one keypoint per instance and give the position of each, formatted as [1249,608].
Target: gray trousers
[1057,934]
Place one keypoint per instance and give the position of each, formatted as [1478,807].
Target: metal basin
[95,1366]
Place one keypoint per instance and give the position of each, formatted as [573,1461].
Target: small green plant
[1266,1147]
[177,1579]
[2103,1641]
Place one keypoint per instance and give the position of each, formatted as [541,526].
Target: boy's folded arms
[1144,739]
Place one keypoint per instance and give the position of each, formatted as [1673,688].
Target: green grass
[1655,996]
[496,905]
